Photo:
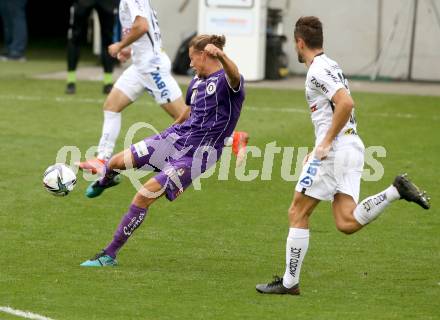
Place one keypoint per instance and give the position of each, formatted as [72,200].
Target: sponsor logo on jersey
[314,108]
[318,85]
[350,131]
[331,75]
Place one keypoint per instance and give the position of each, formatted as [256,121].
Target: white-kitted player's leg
[371,207]
[351,216]
[126,90]
[347,169]
[297,244]
[297,241]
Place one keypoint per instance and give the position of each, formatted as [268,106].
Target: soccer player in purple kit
[215,96]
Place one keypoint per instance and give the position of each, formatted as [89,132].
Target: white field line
[23,314]
[292,109]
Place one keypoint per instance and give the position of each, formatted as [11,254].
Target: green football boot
[95,189]
[100,260]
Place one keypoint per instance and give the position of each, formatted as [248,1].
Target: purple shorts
[176,168]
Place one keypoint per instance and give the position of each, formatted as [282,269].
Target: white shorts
[340,172]
[159,84]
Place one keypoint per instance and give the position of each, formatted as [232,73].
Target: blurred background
[376,39]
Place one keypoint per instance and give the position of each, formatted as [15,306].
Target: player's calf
[150,192]
[343,208]
[402,188]
[122,161]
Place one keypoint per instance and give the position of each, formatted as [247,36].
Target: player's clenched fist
[124,55]
[212,50]
[114,49]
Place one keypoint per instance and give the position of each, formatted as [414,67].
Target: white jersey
[147,53]
[324,78]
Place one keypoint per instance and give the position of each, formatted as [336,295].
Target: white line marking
[304,110]
[293,109]
[288,110]
[23,314]
[56,99]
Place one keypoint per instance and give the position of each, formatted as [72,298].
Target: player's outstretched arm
[343,106]
[139,28]
[229,66]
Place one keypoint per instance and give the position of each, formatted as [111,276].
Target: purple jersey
[215,109]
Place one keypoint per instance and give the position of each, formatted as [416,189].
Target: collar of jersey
[212,74]
[317,55]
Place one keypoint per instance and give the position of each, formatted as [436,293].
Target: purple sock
[108,176]
[130,222]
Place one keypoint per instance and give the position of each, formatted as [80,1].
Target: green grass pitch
[201,256]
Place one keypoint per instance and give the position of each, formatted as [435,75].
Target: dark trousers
[13,14]
[79,13]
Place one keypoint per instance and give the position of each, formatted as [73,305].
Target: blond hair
[201,41]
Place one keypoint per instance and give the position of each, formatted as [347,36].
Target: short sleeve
[325,81]
[240,86]
[138,8]
[189,92]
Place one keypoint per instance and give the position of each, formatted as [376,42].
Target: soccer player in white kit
[334,168]
[150,71]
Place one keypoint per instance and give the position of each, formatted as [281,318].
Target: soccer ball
[59,180]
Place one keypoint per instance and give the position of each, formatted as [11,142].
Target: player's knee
[345,227]
[291,213]
[141,200]
[296,215]
[108,106]
[118,161]
[113,163]
[148,194]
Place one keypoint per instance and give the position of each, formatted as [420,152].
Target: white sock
[296,249]
[229,141]
[110,132]
[370,208]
